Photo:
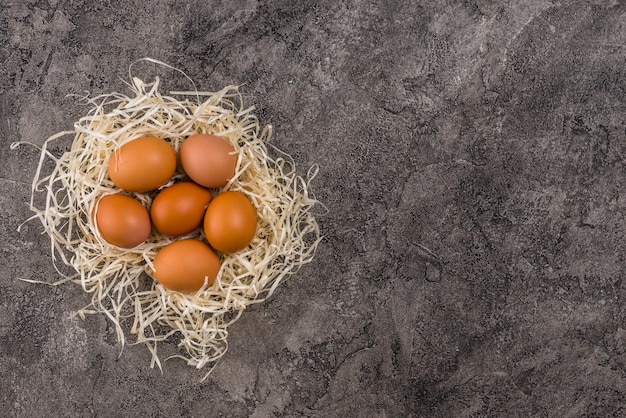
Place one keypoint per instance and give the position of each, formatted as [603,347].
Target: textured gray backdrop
[490,133]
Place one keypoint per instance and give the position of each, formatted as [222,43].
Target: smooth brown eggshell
[142,164]
[179,209]
[209,160]
[122,220]
[183,265]
[230,222]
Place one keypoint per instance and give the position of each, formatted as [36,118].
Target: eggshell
[230,222]
[209,160]
[142,165]
[184,264]
[122,220]
[179,209]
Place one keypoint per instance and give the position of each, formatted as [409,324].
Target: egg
[179,209]
[122,220]
[142,164]
[209,160]
[183,265]
[230,222]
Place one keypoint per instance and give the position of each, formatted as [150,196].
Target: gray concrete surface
[491,133]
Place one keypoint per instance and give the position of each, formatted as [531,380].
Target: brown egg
[183,265]
[122,221]
[142,165]
[179,209]
[230,222]
[209,160]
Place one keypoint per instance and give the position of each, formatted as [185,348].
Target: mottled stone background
[489,133]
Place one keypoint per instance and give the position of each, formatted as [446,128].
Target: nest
[118,280]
